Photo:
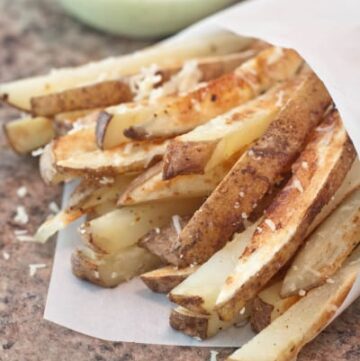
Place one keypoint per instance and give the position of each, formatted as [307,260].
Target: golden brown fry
[150,185]
[328,157]
[164,279]
[214,142]
[19,93]
[285,337]
[99,95]
[326,249]
[27,134]
[76,154]
[109,271]
[198,325]
[254,174]
[185,112]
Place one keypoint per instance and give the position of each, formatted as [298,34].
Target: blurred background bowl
[142,18]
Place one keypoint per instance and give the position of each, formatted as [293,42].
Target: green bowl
[142,18]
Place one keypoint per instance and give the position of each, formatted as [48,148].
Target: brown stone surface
[35,35]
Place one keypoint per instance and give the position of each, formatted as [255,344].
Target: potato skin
[97,95]
[190,157]
[254,173]
[278,210]
[163,280]
[189,325]
[162,242]
[260,314]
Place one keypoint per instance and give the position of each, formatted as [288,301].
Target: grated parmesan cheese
[242,311]
[330,280]
[21,192]
[21,216]
[37,152]
[270,224]
[297,185]
[34,267]
[302,293]
[144,83]
[106,180]
[305,165]
[53,207]
[176,223]
[185,80]
[280,99]
[259,229]
[157,230]
[96,275]
[236,205]
[242,194]
[244,215]
[213,355]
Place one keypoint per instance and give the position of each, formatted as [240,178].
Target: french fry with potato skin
[151,186]
[198,293]
[329,156]
[283,339]
[76,154]
[268,159]
[194,108]
[214,142]
[163,280]
[27,134]
[110,92]
[198,325]
[19,93]
[111,270]
[326,249]
[123,227]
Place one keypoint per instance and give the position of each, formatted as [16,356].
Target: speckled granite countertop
[35,35]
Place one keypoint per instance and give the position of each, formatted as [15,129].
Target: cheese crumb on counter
[21,192]
[21,216]
[34,267]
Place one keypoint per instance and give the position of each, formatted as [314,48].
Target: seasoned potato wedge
[123,227]
[110,92]
[183,113]
[109,271]
[254,173]
[268,305]
[199,325]
[27,134]
[164,279]
[162,241]
[283,339]
[114,120]
[214,142]
[99,95]
[76,154]
[199,291]
[328,156]
[151,186]
[326,249]
[19,93]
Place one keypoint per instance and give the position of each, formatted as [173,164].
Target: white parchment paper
[327,34]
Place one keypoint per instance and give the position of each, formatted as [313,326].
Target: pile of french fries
[217,169]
